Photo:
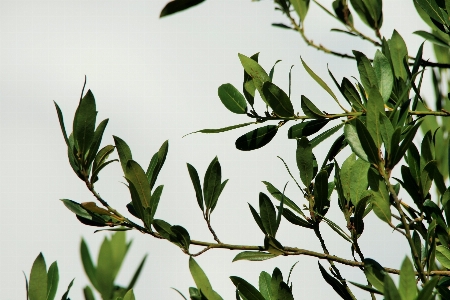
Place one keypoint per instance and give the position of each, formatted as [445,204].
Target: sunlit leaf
[253,256]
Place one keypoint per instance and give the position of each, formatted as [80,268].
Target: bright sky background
[156,80]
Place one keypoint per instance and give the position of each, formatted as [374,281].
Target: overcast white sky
[156,80]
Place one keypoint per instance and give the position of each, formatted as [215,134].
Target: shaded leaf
[277,99]
[246,289]
[384,75]
[177,6]
[310,109]
[268,215]
[407,286]
[218,130]
[124,152]
[306,128]
[335,284]
[367,143]
[84,123]
[304,157]
[399,52]
[196,183]
[257,138]
[375,273]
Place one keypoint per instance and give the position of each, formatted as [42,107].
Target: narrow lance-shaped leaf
[268,214]
[219,130]
[211,181]
[177,6]
[256,72]
[196,183]
[157,163]
[277,100]
[375,107]
[257,138]
[335,284]
[310,109]
[253,256]
[384,75]
[304,157]
[233,100]
[52,280]
[246,289]
[248,85]
[124,152]
[257,219]
[375,273]
[399,52]
[319,81]
[96,141]
[321,202]
[367,142]
[135,174]
[390,290]
[202,281]
[407,286]
[366,71]
[61,123]
[37,289]
[84,123]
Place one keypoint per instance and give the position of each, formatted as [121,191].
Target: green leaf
[196,183]
[367,288]
[375,107]
[351,94]
[37,289]
[268,215]
[304,157]
[88,265]
[358,170]
[390,290]
[427,291]
[310,109]
[256,72]
[96,141]
[273,70]
[84,124]
[154,201]
[233,100]
[265,286]
[301,7]
[386,131]
[277,100]
[366,71]
[248,85]
[181,294]
[100,159]
[370,12]
[182,235]
[61,123]
[406,143]
[76,208]
[352,139]
[66,294]
[306,128]
[324,135]
[221,129]
[335,284]
[211,182]
[246,289]
[359,214]
[321,202]
[257,219]
[384,75]
[136,175]
[88,293]
[294,219]
[105,266]
[375,273]
[177,6]
[342,12]
[381,206]
[319,80]
[399,52]
[124,152]
[137,273]
[253,256]
[443,256]
[129,295]
[278,195]
[427,176]
[432,10]
[201,281]
[407,286]
[156,164]
[52,281]
[257,138]
[432,38]
[367,143]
